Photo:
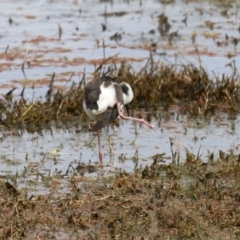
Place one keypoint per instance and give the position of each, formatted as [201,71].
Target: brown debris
[192,200]
[156,86]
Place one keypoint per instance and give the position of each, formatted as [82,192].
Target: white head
[127,93]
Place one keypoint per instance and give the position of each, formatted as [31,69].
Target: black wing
[92,91]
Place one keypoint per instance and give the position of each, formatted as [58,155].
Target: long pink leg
[141,120]
[100,153]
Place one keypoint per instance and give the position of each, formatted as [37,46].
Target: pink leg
[132,118]
[100,153]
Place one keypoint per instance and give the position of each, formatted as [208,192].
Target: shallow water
[33,36]
[35,27]
[34,157]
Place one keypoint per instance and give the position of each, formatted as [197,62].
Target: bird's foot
[146,123]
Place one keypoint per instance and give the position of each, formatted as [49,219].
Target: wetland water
[30,32]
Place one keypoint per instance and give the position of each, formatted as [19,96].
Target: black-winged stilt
[104,102]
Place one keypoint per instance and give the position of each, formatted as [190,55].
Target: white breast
[107,99]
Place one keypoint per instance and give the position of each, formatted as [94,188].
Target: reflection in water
[37,157]
[29,32]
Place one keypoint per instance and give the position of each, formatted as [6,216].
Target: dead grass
[156,86]
[193,200]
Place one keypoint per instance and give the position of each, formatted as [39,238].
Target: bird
[104,101]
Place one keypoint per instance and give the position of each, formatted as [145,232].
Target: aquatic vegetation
[176,196]
[191,200]
[156,85]
[178,200]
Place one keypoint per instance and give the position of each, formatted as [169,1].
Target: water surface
[30,33]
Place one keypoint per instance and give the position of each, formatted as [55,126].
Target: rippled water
[50,154]
[81,30]
[34,29]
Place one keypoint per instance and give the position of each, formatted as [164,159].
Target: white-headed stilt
[104,102]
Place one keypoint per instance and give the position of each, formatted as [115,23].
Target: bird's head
[127,93]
